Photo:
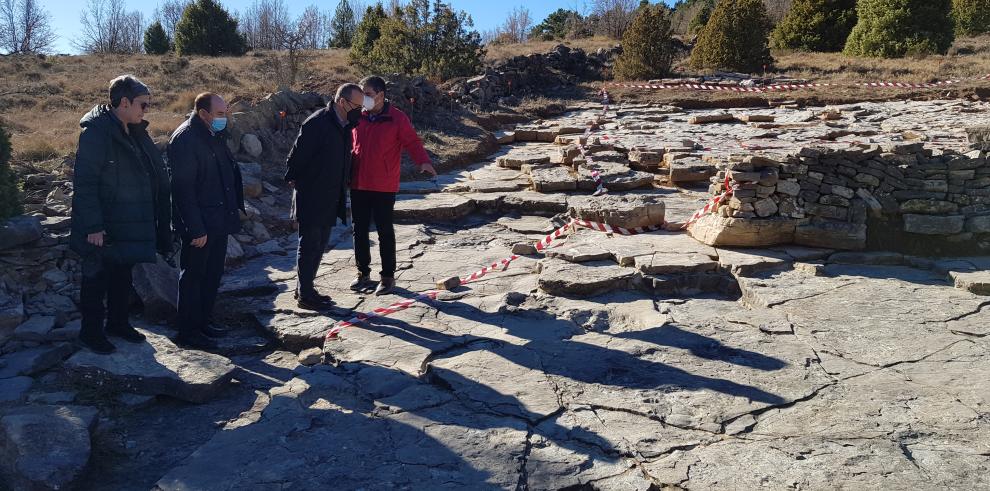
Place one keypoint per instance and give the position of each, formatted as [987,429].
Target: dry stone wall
[900,196]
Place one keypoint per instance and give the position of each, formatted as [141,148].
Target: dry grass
[969,57]
[41,100]
[496,53]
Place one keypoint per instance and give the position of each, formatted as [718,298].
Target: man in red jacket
[383,133]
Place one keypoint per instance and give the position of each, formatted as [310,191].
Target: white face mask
[369,103]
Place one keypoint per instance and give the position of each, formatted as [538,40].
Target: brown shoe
[385,286]
[362,282]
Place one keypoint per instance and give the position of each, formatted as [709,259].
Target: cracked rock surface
[640,362]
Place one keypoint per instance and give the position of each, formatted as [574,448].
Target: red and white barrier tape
[786,87]
[502,265]
[600,189]
[712,204]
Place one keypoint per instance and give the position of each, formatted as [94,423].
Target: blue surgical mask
[218,124]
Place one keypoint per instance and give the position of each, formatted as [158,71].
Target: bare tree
[311,26]
[614,16]
[262,22]
[286,66]
[777,9]
[169,13]
[517,25]
[25,27]
[108,28]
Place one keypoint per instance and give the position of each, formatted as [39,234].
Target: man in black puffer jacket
[208,193]
[120,210]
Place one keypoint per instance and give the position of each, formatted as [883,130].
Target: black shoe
[362,282]
[195,340]
[99,345]
[126,332]
[385,286]
[212,331]
[315,302]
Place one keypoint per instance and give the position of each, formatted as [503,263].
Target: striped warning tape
[787,87]
[550,240]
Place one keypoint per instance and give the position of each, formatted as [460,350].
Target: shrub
[972,17]
[735,37]
[10,202]
[208,29]
[155,40]
[895,28]
[646,46]
[815,25]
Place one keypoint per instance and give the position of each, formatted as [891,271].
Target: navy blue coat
[320,165]
[207,187]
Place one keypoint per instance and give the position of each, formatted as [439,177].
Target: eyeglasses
[145,106]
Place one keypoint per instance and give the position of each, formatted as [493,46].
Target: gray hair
[345,91]
[126,86]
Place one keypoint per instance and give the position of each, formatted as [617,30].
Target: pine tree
[815,25]
[895,28]
[972,17]
[735,38]
[10,202]
[701,19]
[342,26]
[646,46]
[155,40]
[368,31]
[208,29]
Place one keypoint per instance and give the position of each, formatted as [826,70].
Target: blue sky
[487,14]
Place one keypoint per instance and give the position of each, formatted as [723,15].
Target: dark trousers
[365,206]
[313,241]
[103,280]
[200,269]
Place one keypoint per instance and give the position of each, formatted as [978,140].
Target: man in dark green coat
[121,211]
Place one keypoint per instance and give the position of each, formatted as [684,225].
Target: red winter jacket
[378,144]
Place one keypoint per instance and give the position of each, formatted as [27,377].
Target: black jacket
[320,164]
[120,186]
[207,187]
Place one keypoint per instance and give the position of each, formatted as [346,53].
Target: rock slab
[156,367]
[45,447]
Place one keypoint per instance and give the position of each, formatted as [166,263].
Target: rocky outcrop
[45,447]
[156,367]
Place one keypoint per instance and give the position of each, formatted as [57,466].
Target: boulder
[436,207]
[158,287]
[715,230]
[34,360]
[11,312]
[13,389]
[934,225]
[627,211]
[564,278]
[251,145]
[35,329]
[978,224]
[252,187]
[45,447]
[155,367]
[831,235]
[19,230]
[690,170]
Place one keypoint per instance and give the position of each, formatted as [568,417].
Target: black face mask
[354,115]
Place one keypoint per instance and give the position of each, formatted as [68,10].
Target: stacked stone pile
[544,73]
[828,198]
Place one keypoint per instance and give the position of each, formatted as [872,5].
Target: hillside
[41,99]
